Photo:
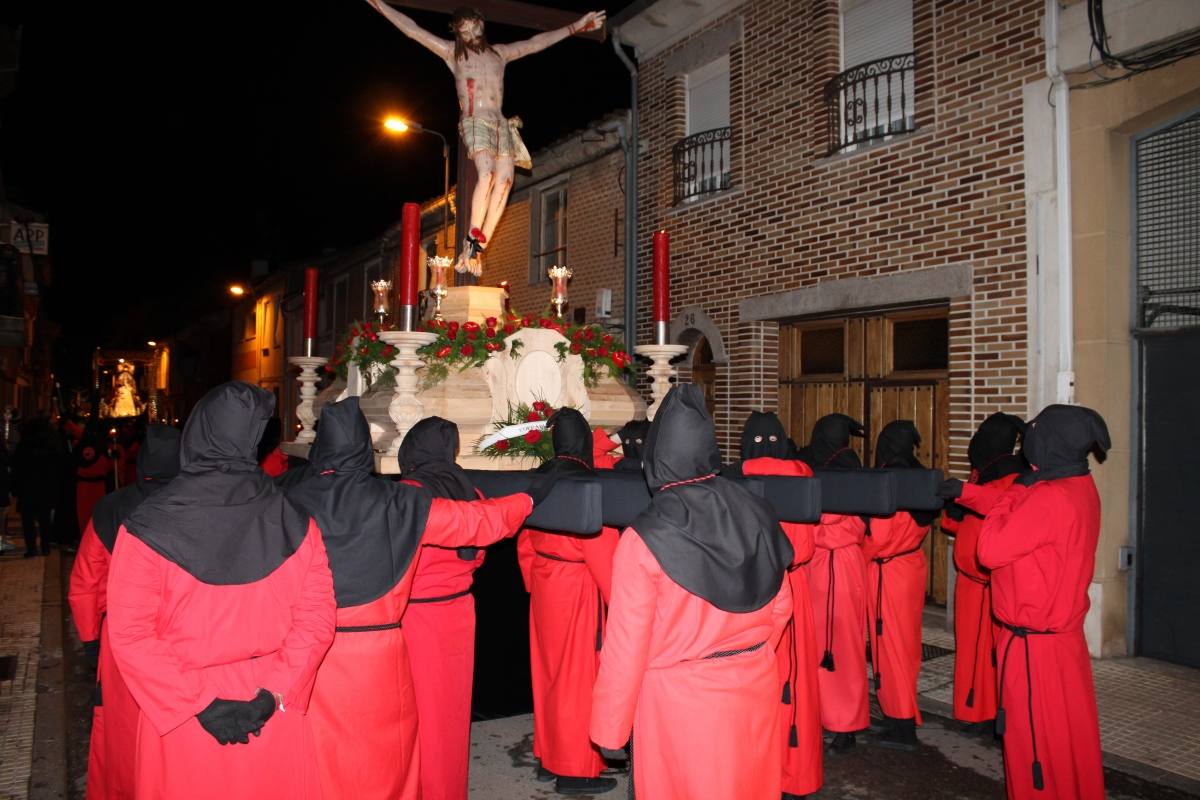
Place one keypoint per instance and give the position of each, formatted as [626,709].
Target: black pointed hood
[633,444]
[157,464]
[829,446]
[991,449]
[572,439]
[1057,442]
[763,436]
[221,519]
[371,526]
[710,536]
[427,456]
[897,444]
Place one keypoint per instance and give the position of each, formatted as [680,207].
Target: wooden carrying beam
[506,12]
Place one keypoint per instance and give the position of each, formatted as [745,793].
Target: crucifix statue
[492,142]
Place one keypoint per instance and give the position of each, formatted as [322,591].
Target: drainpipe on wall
[631,186]
[1065,388]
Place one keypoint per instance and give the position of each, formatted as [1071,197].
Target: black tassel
[787,693]
[877,681]
[1038,783]
[827,661]
[999,721]
[794,740]
[879,627]
[971,698]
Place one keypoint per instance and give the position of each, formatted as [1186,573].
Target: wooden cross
[506,12]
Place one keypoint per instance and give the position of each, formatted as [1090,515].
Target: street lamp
[398,125]
[237,290]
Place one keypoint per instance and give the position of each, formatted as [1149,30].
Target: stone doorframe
[690,324]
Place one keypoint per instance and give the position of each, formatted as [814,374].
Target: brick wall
[951,193]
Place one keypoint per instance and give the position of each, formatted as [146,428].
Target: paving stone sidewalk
[20,636]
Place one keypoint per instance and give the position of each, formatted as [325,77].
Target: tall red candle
[310,302]
[410,234]
[662,280]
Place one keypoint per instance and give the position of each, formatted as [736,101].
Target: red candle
[410,234]
[662,281]
[310,302]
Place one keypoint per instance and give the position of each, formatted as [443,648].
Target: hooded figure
[1039,541]
[568,578]
[93,471]
[766,450]
[439,624]
[220,609]
[699,605]
[837,578]
[114,718]
[994,466]
[633,438]
[364,707]
[896,577]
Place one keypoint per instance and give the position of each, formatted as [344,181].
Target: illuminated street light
[237,290]
[394,124]
[152,343]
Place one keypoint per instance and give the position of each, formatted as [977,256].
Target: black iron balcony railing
[870,101]
[701,164]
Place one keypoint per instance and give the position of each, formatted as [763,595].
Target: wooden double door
[875,367]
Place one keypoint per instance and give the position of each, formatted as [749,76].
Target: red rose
[443,352]
[389,351]
[577,335]
[354,332]
[591,351]
[329,367]
[491,322]
[532,416]
[452,329]
[510,328]
[490,333]
[366,326]
[602,352]
[470,326]
[533,437]
[502,445]
[588,334]
[539,405]
[607,338]
[466,350]
[575,348]
[374,337]
[544,323]
[473,334]
[362,351]
[527,321]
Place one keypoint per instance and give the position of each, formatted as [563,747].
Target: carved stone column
[661,372]
[405,409]
[308,391]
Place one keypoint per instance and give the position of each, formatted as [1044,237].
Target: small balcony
[870,102]
[701,164]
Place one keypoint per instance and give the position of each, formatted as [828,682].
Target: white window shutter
[708,96]
[875,29]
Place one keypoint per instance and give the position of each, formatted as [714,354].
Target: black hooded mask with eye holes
[711,536]
[157,464]
[991,449]
[829,446]
[763,436]
[221,519]
[371,526]
[633,442]
[572,439]
[1057,442]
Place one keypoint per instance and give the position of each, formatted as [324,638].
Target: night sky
[172,143]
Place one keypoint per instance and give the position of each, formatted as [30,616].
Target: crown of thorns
[465,14]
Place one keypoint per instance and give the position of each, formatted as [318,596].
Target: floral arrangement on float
[363,347]
[521,434]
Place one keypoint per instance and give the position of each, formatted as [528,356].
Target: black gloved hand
[255,713]
[950,489]
[955,512]
[540,487]
[221,720]
[91,653]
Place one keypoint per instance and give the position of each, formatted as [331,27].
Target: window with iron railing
[870,102]
[700,164]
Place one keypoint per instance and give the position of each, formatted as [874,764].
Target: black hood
[633,443]
[710,536]
[221,519]
[829,446]
[1057,442]
[572,439]
[371,526]
[897,444]
[991,449]
[157,464]
[763,436]
[427,456]
[271,437]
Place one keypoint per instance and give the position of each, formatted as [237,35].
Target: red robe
[797,654]
[274,463]
[114,721]
[602,447]
[364,705]
[699,724]
[974,629]
[91,483]
[181,643]
[1040,544]
[569,579]
[838,555]
[896,578]
[129,457]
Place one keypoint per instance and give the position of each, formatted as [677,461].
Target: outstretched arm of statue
[443,48]
[535,44]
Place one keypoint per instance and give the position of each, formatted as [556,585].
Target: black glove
[955,512]
[91,653]
[540,486]
[221,720]
[950,489]
[256,712]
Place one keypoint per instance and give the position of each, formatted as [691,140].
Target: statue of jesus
[493,142]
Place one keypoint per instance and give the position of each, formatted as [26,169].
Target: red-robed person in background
[93,469]
[896,577]
[1039,540]
[602,447]
[569,579]
[270,458]
[363,706]
[994,467]
[767,451]
[439,625]
[220,609]
[700,602]
[115,715]
[837,578]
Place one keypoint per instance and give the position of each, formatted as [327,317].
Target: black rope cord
[386,626]
[1023,634]
[441,599]
[827,658]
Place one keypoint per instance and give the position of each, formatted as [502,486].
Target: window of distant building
[548,234]
[701,159]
